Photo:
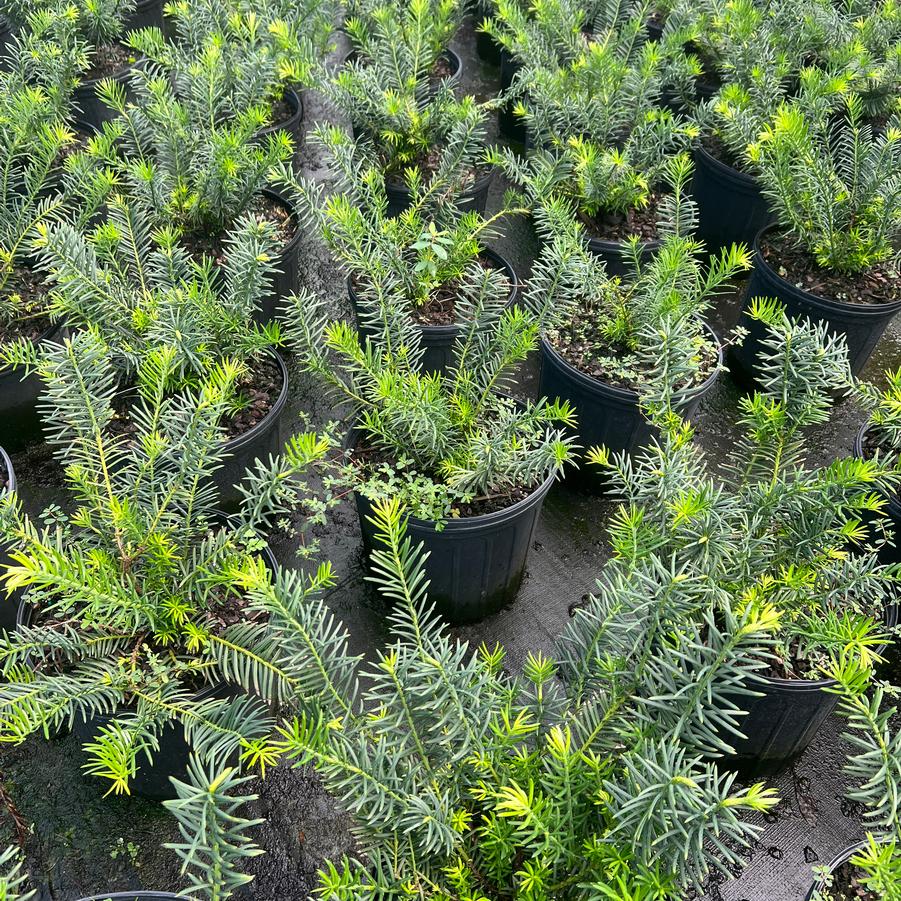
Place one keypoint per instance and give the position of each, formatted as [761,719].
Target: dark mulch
[846,885]
[281,111]
[32,320]
[640,223]
[262,206]
[879,284]
[582,344]
[368,459]
[717,148]
[108,60]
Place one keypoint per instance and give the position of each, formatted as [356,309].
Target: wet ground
[79,843]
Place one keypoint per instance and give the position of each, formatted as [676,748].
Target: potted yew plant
[871,870]
[410,40]
[579,778]
[429,253]
[831,254]
[149,623]
[472,464]
[42,181]
[260,58]
[140,290]
[775,534]
[418,129]
[93,34]
[190,170]
[604,341]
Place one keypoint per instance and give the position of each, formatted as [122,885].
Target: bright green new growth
[95,22]
[428,247]
[450,437]
[469,783]
[12,879]
[778,532]
[141,291]
[837,193]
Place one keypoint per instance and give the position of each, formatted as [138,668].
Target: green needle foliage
[417,128]
[406,39]
[465,782]
[838,194]
[647,329]
[12,879]
[140,290]
[96,22]
[186,166]
[145,602]
[427,249]
[776,532]
[225,62]
[40,182]
[447,438]
[875,768]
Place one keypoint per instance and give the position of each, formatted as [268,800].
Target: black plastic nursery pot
[612,253]
[783,720]
[892,510]
[473,199]
[861,324]
[152,777]
[819,885]
[286,277]
[136,896]
[438,340]
[731,207]
[487,48]
[91,108]
[147,14]
[9,606]
[293,125]
[7,33]
[21,422]
[609,415]
[510,125]
[475,565]
[259,442]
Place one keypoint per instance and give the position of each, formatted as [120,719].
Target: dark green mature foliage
[777,532]
[467,783]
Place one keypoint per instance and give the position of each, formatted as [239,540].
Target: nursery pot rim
[627,394]
[436,331]
[478,185]
[861,310]
[46,335]
[743,179]
[465,523]
[453,58]
[137,896]
[834,864]
[894,503]
[295,101]
[802,686]
[274,194]
[117,75]
[275,410]
[10,472]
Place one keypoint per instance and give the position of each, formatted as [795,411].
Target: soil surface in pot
[584,346]
[370,460]
[263,207]
[428,164]
[31,320]
[4,475]
[846,885]
[879,284]
[640,223]
[258,391]
[718,149]
[441,308]
[281,111]
[108,60]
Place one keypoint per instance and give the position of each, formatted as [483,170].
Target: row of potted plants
[161,246]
